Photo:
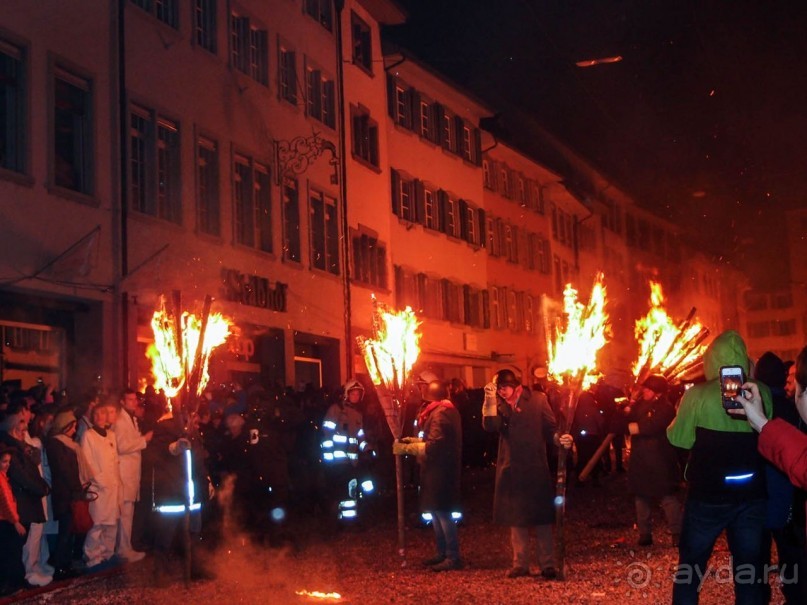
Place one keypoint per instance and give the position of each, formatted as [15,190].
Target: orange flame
[662,343]
[573,351]
[171,368]
[393,349]
[316,594]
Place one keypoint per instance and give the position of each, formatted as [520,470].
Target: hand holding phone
[732,379]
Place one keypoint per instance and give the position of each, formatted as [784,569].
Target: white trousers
[35,552]
[99,545]
[124,546]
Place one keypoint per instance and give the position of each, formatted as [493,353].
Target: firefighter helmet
[425,377]
[436,391]
[353,384]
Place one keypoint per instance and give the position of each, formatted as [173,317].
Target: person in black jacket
[27,485]
[653,471]
[63,457]
[439,453]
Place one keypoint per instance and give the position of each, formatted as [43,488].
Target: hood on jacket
[728,349]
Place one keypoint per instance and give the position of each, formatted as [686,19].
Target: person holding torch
[439,453]
[524,491]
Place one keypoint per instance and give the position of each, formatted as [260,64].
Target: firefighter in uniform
[178,481]
[344,450]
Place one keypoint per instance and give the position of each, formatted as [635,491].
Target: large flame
[172,365]
[663,345]
[573,348]
[393,349]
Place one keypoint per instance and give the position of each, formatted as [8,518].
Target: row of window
[432,121]
[249,48]
[438,298]
[70,107]
[513,185]
[155,180]
[517,245]
[416,201]
[758,301]
[639,233]
[564,227]
[761,329]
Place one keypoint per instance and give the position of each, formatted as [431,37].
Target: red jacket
[8,505]
[786,447]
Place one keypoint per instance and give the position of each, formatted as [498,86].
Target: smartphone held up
[732,379]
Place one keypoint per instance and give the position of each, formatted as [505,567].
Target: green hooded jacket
[724,463]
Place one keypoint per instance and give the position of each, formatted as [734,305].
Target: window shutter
[466,303]
[399,285]
[514,239]
[396,192]
[476,148]
[482,230]
[459,126]
[414,110]
[442,199]
[391,96]
[438,114]
[293,75]
[485,309]
[463,219]
[420,205]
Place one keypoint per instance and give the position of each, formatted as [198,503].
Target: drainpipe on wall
[121,296]
[339,5]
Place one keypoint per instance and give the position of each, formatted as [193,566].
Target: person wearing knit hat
[69,472]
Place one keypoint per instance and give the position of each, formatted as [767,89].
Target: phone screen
[731,380]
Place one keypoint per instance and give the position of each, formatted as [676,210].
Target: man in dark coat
[524,491]
[653,472]
[439,454]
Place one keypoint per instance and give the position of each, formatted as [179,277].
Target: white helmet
[425,377]
[352,384]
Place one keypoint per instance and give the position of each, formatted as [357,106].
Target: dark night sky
[703,121]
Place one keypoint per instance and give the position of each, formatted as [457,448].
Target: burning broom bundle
[389,354]
[674,351]
[572,349]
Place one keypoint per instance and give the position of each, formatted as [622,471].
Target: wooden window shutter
[396,192]
[391,101]
[420,205]
[477,146]
[463,219]
[442,200]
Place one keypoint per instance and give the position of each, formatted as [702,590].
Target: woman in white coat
[101,451]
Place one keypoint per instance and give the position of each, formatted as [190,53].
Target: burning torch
[572,349]
[673,351]
[389,354]
[180,355]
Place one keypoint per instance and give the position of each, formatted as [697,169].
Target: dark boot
[160,572]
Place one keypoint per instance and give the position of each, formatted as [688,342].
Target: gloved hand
[180,445]
[408,449]
[489,403]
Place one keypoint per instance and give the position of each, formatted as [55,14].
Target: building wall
[58,250]
[214,134]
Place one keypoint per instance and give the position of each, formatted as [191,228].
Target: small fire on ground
[316,594]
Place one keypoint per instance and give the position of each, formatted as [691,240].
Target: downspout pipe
[339,5]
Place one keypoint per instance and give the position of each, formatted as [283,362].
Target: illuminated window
[369,261]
